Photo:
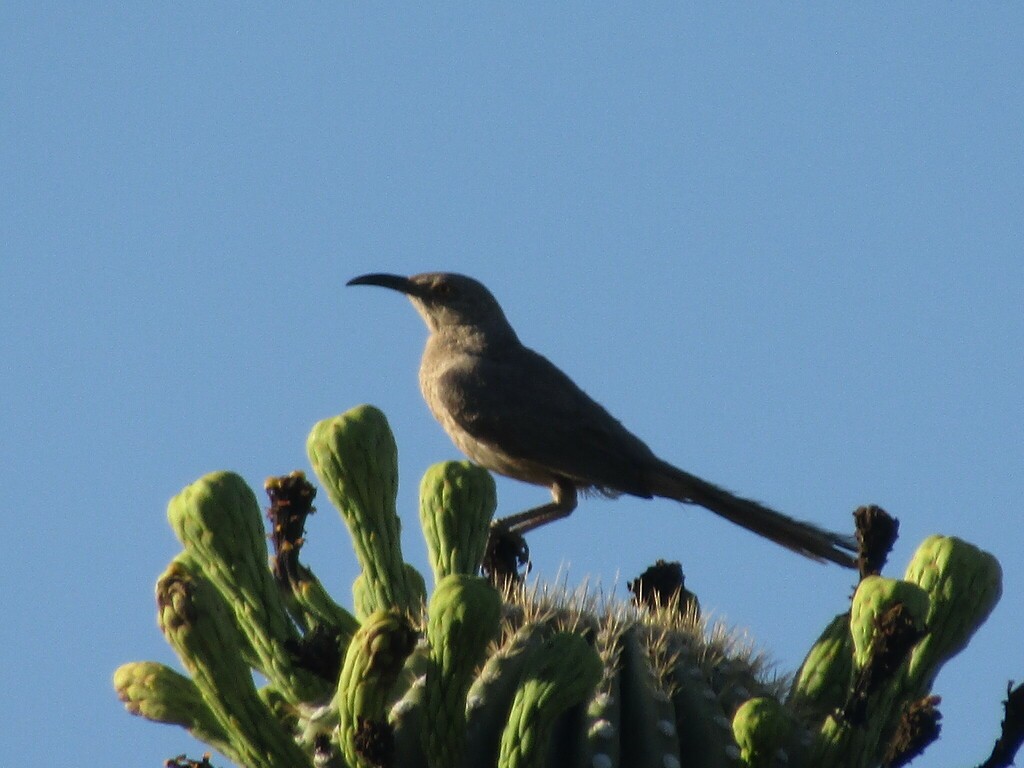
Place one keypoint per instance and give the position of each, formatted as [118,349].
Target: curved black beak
[394,282]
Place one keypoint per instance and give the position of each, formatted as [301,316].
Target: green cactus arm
[158,693]
[198,624]
[364,600]
[822,683]
[319,609]
[490,697]
[464,619]
[964,584]
[874,596]
[457,501]
[763,731]
[950,588]
[840,742]
[372,666]
[562,673]
[218,520]
[355,457]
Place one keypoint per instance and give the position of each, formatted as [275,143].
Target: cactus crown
[518,676]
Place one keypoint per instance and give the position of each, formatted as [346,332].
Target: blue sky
[785,245]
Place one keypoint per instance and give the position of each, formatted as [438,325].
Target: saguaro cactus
[525,677]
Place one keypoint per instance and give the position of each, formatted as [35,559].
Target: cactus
[456,505]
[464,618]
[197,621]
[900,633]
[373,663]
[355,457]
[963,586]
[762,728]
[518,676]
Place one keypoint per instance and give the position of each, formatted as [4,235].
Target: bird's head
[446,300]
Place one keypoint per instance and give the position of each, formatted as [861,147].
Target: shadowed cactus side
[523,677]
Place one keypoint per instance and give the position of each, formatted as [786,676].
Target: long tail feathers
[805,538]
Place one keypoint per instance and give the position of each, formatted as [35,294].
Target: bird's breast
[483,452]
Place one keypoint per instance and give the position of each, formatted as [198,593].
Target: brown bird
[511,411]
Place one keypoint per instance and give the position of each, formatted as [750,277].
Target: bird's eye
[444,290]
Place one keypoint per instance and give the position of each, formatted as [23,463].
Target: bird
[512,411]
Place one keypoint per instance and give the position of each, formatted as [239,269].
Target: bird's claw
[507,557]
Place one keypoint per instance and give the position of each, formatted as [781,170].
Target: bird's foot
[507,557]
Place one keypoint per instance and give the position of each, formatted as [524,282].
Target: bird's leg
[563,502]
[507,551]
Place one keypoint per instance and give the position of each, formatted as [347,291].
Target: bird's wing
[528,409]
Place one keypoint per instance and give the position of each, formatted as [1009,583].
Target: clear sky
[785,245]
